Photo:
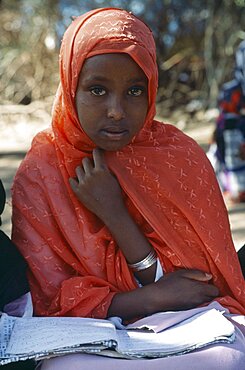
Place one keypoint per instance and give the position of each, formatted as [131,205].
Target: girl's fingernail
[209,276]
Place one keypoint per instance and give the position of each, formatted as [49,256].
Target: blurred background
[195,43]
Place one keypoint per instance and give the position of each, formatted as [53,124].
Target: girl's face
[111,100]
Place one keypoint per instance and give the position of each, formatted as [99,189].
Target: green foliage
[240,3]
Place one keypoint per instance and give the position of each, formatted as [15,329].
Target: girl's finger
[80,173]
[212,291]
[196,275]
[99,159]
[74,184]
[87,166]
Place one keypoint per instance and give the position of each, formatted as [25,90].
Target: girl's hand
[175,291]
[182,289]
[97,188]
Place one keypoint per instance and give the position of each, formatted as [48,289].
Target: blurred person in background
[227,150]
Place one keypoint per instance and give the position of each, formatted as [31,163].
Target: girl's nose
[115,109]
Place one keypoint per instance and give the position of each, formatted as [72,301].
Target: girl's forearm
[131,241]
[132,305]
[179,290]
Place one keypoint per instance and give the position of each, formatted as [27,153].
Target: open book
[162,334]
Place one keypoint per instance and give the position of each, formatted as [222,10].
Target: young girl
[118,214]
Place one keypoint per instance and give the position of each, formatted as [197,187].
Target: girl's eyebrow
[136,80]
[95,78]
[100,78]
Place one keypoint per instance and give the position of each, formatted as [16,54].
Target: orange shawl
[75,266]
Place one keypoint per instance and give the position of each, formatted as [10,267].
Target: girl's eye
[97,91]
[136,91]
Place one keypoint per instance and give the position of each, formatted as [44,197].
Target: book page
[202,329]
[6,327]
[164,320]
[43,337]
[44,334]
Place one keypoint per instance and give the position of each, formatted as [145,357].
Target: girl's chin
[112,148]
[113,145]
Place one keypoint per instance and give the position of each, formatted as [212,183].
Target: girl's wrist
[133,304]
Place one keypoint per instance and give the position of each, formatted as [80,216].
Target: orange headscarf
[168,185]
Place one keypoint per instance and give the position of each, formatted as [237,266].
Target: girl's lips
[114,135]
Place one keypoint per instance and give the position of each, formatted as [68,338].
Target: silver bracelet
[144,264]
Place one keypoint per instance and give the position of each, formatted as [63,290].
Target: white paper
[164,320]
[39,334]
[6,327]
[45,337]
[206,327]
